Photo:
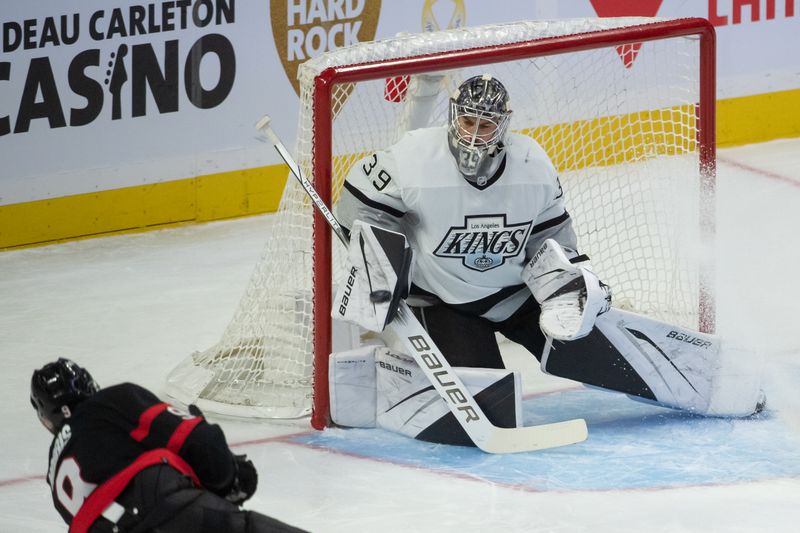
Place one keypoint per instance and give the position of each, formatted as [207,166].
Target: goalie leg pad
[655,361]
[408,404]
[351,387]
[371,386]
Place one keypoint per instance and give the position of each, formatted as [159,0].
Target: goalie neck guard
[479,117]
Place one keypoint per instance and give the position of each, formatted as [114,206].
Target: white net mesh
[623,139]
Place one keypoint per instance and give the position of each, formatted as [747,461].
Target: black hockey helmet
[57,388]
[479,117]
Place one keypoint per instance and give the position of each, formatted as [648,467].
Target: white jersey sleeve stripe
[547,224]
[366,200]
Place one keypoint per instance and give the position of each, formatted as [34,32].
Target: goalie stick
[419,345]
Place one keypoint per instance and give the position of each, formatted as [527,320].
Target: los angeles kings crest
[484,242]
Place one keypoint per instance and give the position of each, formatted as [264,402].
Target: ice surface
[131,307]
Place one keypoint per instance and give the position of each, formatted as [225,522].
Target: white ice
[130,307]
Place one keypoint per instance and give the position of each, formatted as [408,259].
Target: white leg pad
[372,386]
[351,387]
[682,368]
[737,386]
[408,404]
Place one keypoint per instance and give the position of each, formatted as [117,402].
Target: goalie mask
[57,388]
[479,118]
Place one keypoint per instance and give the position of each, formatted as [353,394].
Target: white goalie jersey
[470,241]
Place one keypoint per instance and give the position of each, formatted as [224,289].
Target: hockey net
[624,108]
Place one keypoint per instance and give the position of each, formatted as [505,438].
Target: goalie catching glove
[378,275]
[571,296]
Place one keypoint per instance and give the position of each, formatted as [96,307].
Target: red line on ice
[760,171]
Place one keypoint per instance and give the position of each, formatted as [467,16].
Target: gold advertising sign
[307,28]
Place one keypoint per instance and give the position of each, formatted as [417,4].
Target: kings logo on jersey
[484,242]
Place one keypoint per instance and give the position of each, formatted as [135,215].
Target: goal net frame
[323,88]
[272,360]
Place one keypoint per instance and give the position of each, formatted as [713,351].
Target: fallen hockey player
[123,461]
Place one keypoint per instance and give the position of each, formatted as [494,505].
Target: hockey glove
[244,482]
[378,275]
[571,297]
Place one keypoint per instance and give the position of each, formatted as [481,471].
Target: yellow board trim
[758,118]
[213,197]
[744,120]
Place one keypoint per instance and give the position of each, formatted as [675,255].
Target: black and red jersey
[121,430]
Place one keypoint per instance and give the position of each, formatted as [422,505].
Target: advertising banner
[101,95]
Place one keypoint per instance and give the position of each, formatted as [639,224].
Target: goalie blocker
[378,276]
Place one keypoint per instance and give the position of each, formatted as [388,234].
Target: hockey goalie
[468,223]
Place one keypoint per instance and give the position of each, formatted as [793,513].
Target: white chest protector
[469,241]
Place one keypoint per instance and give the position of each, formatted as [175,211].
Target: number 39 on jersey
[381,179]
